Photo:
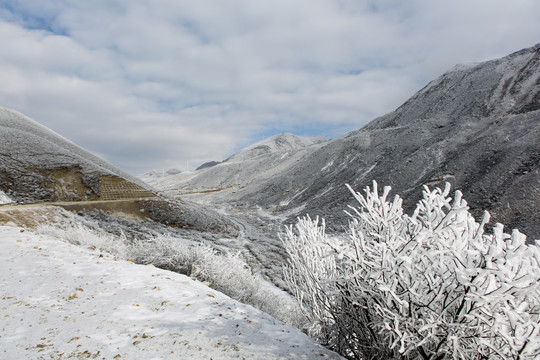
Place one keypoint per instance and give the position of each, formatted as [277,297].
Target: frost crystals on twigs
[428,286]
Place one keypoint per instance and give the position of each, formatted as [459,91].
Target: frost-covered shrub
[428,286]
[224,272]
[79,234]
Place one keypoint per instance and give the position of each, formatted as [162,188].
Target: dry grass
[31,217]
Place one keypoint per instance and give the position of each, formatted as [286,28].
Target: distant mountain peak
[275,143]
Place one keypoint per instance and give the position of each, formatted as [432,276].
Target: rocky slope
[476,126]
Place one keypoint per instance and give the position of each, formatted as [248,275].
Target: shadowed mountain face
[477,127]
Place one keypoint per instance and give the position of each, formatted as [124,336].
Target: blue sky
[160,84]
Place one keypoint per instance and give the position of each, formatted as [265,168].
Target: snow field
[59,300]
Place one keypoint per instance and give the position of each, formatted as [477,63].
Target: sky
[160,84]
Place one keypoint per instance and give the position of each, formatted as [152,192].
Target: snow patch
[328,165]
[4,199]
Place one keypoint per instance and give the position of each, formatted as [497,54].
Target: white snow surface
[243,171]
[4,199]
[59,300]
[276,143]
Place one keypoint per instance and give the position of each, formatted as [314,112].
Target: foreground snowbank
[60,301]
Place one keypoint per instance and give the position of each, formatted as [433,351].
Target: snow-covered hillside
[62,301]
[48,163]
[273,144]
[477,126]
[30,141]
[242,171]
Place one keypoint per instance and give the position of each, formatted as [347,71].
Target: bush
[427,286]
[225,272]
[84,235]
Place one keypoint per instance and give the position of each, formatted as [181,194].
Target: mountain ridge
[275,143]
[476,126]
[243,167]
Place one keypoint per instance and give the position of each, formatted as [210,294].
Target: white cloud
[157,84]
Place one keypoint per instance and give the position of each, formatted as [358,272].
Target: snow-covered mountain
[476,126]
[37,164]
[244,169]
[275,144]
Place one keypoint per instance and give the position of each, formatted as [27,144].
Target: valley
[475,127]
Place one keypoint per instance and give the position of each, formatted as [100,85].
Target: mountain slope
[36,164]
[80,303]
[244,170]
[274,144]
[476,126]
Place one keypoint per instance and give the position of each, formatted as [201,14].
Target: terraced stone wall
[118,189]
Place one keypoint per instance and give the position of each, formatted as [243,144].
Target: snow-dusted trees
[428,286]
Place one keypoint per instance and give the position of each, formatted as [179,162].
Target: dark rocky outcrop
[208,164]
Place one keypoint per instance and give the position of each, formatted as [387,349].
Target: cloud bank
[161,84]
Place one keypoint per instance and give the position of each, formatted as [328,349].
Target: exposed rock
[173,171]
